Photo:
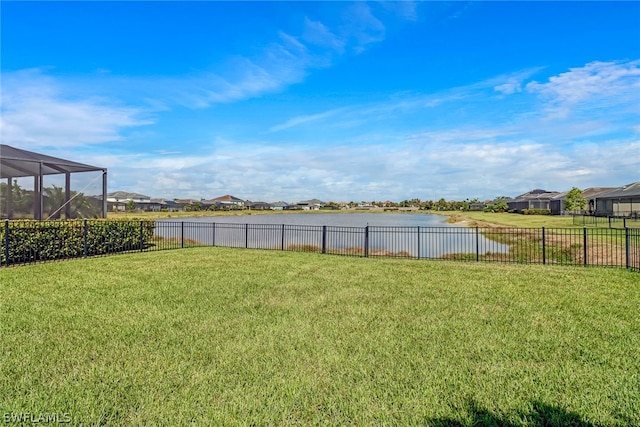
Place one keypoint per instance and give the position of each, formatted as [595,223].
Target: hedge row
[28,241]
[536,211]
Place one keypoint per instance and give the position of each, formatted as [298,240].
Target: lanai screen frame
[18,163]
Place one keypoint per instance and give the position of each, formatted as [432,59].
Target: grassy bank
[484,219]
[234,336]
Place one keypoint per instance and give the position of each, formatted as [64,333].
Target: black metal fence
[607,221]
[30,241]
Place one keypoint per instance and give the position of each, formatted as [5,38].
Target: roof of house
[592,192]
[629,190]
[536,194]
[227,198]
[16,163]
[279,204]
[126,195]
[186,201]
[162,201]
[311,202]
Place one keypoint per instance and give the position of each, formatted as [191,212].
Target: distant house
[158,205]
[477,206]
[227,202]
[310,205]
[279,206]
[119,200]
[622,201]
[181,204]
[259,205]
[534,199]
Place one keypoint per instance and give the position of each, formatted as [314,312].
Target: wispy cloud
[362,27]
[398,106]
[306,119]
[318,34]
[596,85]
[37,111]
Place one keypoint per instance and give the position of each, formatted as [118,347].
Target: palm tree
[81,206]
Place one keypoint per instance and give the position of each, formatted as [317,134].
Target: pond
[384,234]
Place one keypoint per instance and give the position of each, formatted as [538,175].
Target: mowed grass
[220,336]
[511,219]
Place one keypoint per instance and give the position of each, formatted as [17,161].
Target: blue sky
[338,101]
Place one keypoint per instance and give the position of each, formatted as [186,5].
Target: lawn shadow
[542,414]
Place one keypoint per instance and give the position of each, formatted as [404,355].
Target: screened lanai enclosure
[37,186]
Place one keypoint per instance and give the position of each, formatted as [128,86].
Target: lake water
[396,234]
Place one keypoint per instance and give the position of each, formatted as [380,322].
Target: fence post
[246,236]
[477,245]
[141,236]
[324,239]
[282,239]
[366,241]
[544,246]
[213,240]
[84,238]
[584,241]
[182,234]
[418,242]
[6,242]
[627,248]
[624,222]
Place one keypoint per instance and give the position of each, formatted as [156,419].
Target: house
[364,206]
[120,200]
[158,205]
[558,202]
[310,205]
[259,205]
[279,206]
[226,202]
[181,204]
[622,201]
[477,206]
[534,199]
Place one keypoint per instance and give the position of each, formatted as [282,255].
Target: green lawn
[512,219]
[238,337]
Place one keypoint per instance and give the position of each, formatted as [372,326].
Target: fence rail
[607,221]
[26,242]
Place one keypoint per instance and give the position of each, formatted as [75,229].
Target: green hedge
[536,211]
[31,241]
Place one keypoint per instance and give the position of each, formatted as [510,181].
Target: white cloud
[597,85]
[295,121]
[363,27]
[405,9]
[36,112]
[510,87]
[316,33]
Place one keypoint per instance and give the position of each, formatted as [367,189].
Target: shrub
[48,240]
[536,212]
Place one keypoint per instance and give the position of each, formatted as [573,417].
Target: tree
[498,206]
[443,205]
[22,200]
[54,200]
[574,200]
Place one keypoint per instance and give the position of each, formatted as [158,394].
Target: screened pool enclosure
[24,193]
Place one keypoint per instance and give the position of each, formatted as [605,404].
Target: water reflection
[389,234]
